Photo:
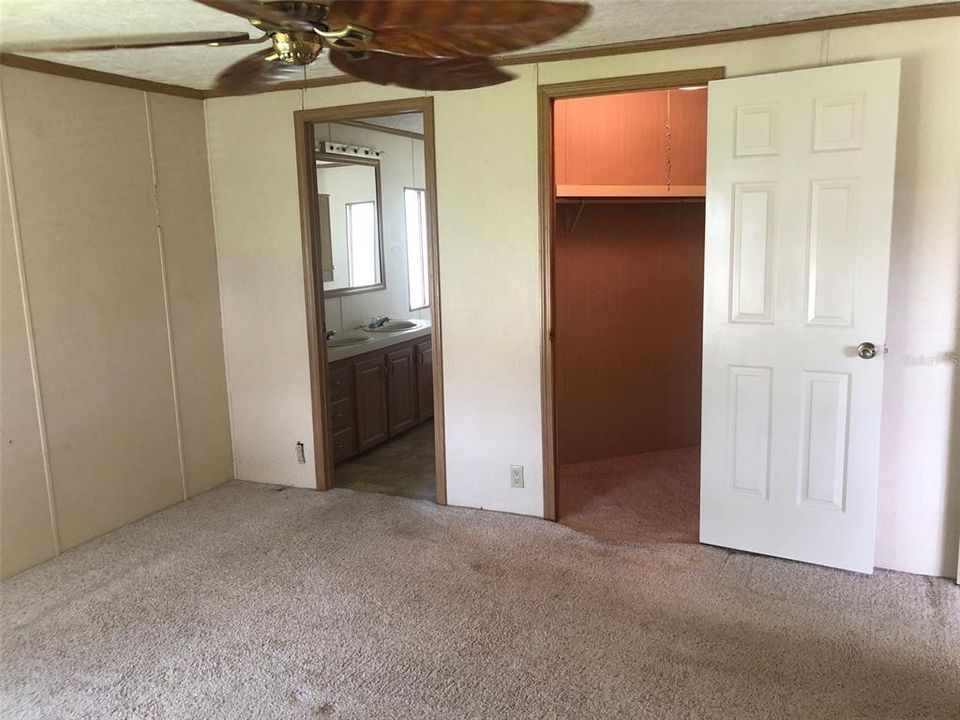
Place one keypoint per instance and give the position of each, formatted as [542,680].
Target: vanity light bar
[335,148]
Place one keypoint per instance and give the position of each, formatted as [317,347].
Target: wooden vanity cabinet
[342,432]
[377,395]
[401,390]
[424,380]
[370,387]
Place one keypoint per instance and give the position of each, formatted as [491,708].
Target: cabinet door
[424,380]
[371,402]
[401,386]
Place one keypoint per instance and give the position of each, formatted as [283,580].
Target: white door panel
[799,203]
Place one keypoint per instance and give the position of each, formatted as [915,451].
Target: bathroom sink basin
[338,341]
[396,325]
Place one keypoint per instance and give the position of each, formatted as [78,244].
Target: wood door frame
[545,97]
[303,121]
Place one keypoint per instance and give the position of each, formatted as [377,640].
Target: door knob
[867,350]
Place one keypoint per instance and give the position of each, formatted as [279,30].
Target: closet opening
[625,266]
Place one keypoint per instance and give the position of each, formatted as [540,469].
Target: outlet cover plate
[516,476]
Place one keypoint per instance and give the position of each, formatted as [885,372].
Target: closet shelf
[630,191]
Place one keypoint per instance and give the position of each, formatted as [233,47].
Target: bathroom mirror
[350,220]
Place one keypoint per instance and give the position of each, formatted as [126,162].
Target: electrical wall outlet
[301,456]
[516,476]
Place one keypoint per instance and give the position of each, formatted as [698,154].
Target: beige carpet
[247,602]
[648,498]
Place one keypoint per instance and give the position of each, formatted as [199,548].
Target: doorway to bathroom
[368,211]
[624,262]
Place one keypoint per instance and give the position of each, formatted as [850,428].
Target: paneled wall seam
[223,332]
[28,323]
[166,293]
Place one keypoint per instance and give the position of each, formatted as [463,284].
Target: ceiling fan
[419,44]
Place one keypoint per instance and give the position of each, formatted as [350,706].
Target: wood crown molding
[98,76]
[752,32]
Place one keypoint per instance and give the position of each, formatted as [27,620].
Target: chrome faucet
[328,335]
[378,322]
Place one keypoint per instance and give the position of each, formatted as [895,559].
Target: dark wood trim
[313,291]
[358,111]
[433,241]
[303,126]
[547,389]
[632,83]
[546,94]
[98,76]
[344,161]
[752,32]
[380,128]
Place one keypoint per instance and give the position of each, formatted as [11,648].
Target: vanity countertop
[380,341]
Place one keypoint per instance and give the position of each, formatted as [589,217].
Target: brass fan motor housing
[302,47]
[296,48]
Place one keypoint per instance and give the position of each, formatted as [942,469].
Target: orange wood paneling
[560,142]
[628,289]
[688,137]
[622,145]
[616,139]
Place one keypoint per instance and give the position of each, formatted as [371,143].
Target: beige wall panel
[81,168]
[186,216]
[257,210]
[490,285]
[26,527]
[489,243]
[254,168]
[918,505]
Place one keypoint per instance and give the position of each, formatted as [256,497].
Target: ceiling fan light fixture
[297,48]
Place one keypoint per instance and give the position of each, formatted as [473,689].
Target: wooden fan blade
[460,73]
[139,42]
[270,13]
[447,28]
[256,71]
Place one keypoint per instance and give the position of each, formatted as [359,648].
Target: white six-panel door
[799,201]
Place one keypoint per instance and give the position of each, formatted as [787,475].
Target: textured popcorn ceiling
[612,21]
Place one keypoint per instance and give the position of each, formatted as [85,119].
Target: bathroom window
[362,243]
[418,258]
